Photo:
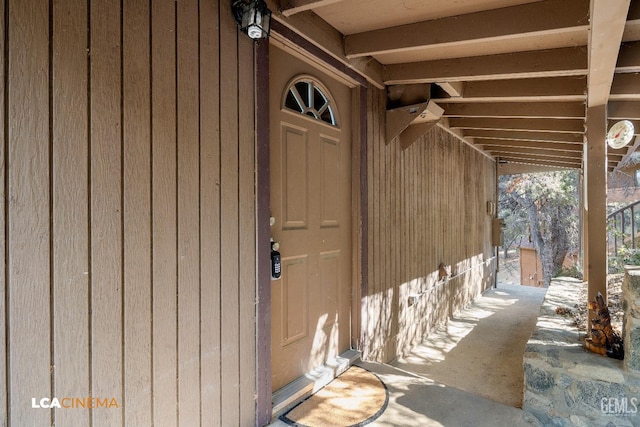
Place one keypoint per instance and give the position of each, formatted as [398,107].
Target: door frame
[359,96]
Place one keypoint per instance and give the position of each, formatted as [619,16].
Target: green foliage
[626,256]
[546,192]
[548,203]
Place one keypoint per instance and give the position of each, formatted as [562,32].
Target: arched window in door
[306,97]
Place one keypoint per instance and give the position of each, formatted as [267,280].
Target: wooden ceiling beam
[620,110]
[524,136]
[541,159]
[499,151]
[625,87]
[629,58]
[571,61]
[560,110]
[634,11]
[489,26]
[615,157]
[453,89]
[315,34]
[540,124]
[632,27]
[568,165]
[548,89]
[291,7]
[607,21]
[616,152]
[520,168]
[532,145]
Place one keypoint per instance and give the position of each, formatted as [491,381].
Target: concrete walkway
[469,372]
[421,402]
[481,349]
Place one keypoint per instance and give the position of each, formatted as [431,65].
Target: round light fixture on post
[620,134]
[253,16]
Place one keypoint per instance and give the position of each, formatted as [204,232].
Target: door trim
[263,234]
[263,212]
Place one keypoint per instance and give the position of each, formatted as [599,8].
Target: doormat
[355,398]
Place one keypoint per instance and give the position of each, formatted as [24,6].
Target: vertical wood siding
[427,205]
[128,219]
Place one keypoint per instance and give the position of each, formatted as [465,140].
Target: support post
[584,259]
[263,234]
[595,205]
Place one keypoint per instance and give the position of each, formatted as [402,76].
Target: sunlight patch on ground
[400,412]
[441,341]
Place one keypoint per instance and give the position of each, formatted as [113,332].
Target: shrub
[626,256]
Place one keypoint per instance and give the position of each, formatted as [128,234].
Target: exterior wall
[427,205]
[128,223]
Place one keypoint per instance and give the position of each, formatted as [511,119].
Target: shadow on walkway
[468,372]
[480,350]
[418,401]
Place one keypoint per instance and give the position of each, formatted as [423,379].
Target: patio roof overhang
[515,78]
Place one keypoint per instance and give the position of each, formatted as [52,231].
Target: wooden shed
[531,266]
[151,151]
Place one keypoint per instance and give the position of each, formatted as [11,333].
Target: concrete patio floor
[421,402]
[480,349]
[468,372]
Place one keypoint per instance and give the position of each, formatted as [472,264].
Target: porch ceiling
[514,77]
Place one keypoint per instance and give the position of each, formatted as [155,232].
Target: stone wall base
[565,384]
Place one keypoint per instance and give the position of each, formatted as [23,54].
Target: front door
[311,206]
